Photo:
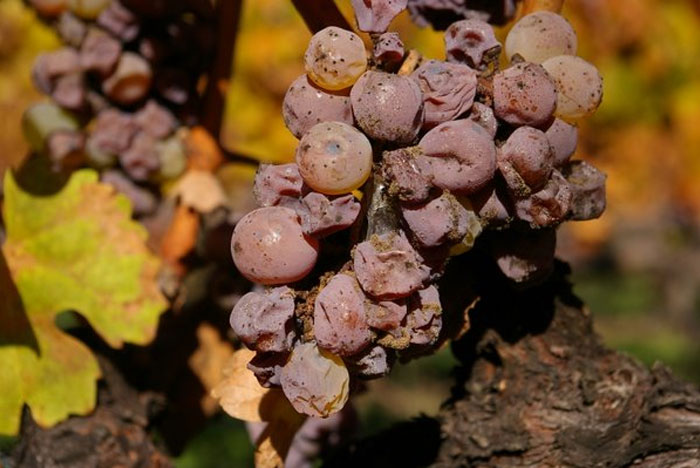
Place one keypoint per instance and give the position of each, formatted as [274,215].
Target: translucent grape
[131,80]
[524,256]
[316,382]
[334,158]
[448,90]
[401,169]
[484,116]
[579,86]
[460,156]
[525,161]
[87,9]
[547,207]
[40,120]
[273,181]
[100,52]
[470,41]
[340,321]
[269,247]
[306,105]
[265,321]
[388,107]
[588,190]
[564,138]
[441,220]
[388,48]
[541,35]
[524,94]
[376,15]
[335,58]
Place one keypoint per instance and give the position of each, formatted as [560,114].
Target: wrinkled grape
[549,206]
[113,131]
[119,21]
[448,90]
[541,35]
[441,220]
[386,315]
[269,246]
[525,256]
[334,158]
[388,48]
[525,161]
[563,138]
[401,169]
[579,86]
[315,381]
[69,91]
[273,181]
[524,94]
[493,206]
[265,321]
[321,216]
[141,159]
[376,15]
[100,52]
[335,58]
[388,107]
[469,41]
[155,120]
[441,13]
[424,319]
[587,186]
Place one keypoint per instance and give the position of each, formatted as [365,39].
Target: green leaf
[76,250]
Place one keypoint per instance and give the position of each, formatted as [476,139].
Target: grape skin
[588,190]
[579,86]
[269,247]
[375,15]
[525,160]
[321,216]
[335,58]
[563,137]
[547,207]
[524,94]
[264,321]
[441,220]
[424,320]
[400,167]
[468,41]
[388,49]
[386,315]
[541,35]
[274,181]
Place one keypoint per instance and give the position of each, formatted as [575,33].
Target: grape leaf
[76,250]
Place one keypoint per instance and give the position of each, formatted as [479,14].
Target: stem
[319,14]
[228,13]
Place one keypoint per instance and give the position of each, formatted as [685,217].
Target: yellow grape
[335,58]
[579,86]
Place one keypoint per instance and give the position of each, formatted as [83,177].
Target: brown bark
[537,388]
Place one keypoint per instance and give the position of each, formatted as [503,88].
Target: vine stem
[319,14]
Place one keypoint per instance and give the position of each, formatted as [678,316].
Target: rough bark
[537,388]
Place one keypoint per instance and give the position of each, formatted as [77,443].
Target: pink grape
[525,161]
[375,15]
[269,247]
[113,131]
[388,107]
[468,41]
[541,35]
[321,216]
[119,21]
[70,91]
[588,190]
[388,48]
[563,137]
[484,116]
[579,86]
[315,381]
[265,321]
[141,159]
[71,29]
[334,158]
[267,368]
[440,221]
[549,206]
[493,206]
[460,156]
[424,320]
[388,267]
[386,315]
[525,256]
[401,169]
[155,120]
[274,181]
[49,67]
[335,58]
[340,321]
[306,105]
[373,363]
[524,94]
[99,52]
[448,90]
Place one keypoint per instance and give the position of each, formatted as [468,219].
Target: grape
[460,156]
[269,247]
[547,207]
[70,92]
[97,156]
[579,86]
[141,160]
[171,157]
[407,182]
[49,8]
[334,158]
[541,35]
[386,315]
[524,94]
[388,267]
[267,368]
[306,105]
[142,201]
[119,21]
[87,9]
[40,120]
[273,181]
[100,52]
[316,382]
[155,120]
[335,58]
[483,115]
[424,319]
[321,217]
[437,222]
[448,90]
[340,322]
[65,149]
[376,15]
[51,66]
[470,41]
[373,363]
[388,48]
[563,137]
[388,107]
[493,206]
[71,29]
[525,256]
[588,190]
[113,131]
[441,13]
[525,161]
[265,321]
[131,80]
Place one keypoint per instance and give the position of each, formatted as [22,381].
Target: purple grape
[306,105]
[113,131]
[141,159]
[267,368]
[388,49]
[493,206]
[388,267]
[274,181]
[70,92]
[321,216]
[549,206]
[484,116]
[563,137]
[407,182]
[525,161]
[373,363]
[386,315]
[460,156]
[448,90]
[388,107]
[155,120]
[524,94]
[440,221]
[587,188]
[525,256]
[265,321]
[99,52]
[119,21]
[469,41]
[340,322]
[375,15]
[142,201]
[424,319]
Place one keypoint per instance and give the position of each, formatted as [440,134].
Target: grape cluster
[122,89]
[418,164]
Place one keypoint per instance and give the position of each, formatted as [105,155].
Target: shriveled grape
[264,321]
[386,315]
[437,222]
[99,52]
[484,116]
[470,41]
[524,94]
[402,171]
[587,186]
[424,319]
[547,207]
[273,181]
[493,206]
[321,216]
[335,58]
[376,15]
[525,160]
[388,48]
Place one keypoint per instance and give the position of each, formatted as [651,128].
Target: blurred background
[637,268]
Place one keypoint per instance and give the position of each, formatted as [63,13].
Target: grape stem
[319,14]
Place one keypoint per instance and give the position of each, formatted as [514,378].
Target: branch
[319,14]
